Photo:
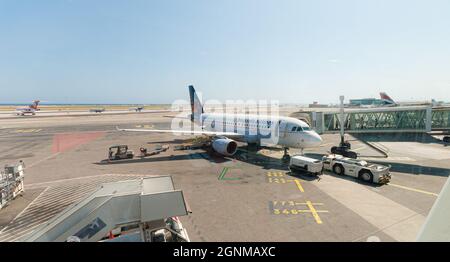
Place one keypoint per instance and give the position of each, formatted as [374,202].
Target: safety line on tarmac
[224,172]
[299,185]
[21,212]
[44,159]
[413,189]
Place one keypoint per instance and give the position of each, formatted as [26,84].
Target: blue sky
[78,51]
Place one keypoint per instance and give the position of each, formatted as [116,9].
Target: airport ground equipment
[158,149]
[146,210]
[11,183]
[118,152]
[306,164]
[344,146]
[367,172]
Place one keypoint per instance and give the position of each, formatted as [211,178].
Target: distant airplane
[225,129]
[137,109]
[31,109]
[384,101]
[387,99]
[96,110]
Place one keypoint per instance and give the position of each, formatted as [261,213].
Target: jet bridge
[417,119]
[149,205]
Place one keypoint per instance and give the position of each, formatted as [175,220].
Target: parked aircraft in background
[97,110]
[384,101]
[31,109]
[226,129]
[137,108]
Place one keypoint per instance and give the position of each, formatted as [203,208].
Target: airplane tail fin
[35,104]
[385,96]
[196,106]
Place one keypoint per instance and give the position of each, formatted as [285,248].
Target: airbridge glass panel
[440,118]
[383,120]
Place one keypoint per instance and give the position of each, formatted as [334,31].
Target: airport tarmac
[250,197]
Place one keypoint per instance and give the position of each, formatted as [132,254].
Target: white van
[306,164]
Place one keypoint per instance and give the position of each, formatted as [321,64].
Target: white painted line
[359,148]
[42,160]
[21,212]
[86,177]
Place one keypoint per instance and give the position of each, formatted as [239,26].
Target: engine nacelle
[224,146]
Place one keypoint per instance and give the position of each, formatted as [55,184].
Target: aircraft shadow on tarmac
[400,137]
[174,141]
[242,155]
[152,159]
[416,169]
[251,156]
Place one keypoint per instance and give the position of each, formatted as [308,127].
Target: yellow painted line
[138,126]
[275,174]
[314,204]
[414,189]
[148,126]
[309,211]
[314,212]
[299,186]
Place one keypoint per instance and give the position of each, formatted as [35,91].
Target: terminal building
[367,102]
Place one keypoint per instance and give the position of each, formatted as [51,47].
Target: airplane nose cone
[317,138]
[313,139]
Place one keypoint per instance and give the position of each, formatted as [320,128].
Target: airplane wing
[187,132]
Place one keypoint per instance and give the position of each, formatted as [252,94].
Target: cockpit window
[294,128]
[299,129]
[306,128]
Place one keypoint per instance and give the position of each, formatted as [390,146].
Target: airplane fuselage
[277,130]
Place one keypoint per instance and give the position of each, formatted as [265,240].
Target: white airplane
[31,109]
[287,132]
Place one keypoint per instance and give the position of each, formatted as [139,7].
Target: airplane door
[283,127]
[286,130]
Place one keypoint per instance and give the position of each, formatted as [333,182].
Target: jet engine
[224,146]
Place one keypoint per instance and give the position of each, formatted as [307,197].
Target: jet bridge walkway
[416,119]
[148,204]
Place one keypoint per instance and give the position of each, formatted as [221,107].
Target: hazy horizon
[296,52]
